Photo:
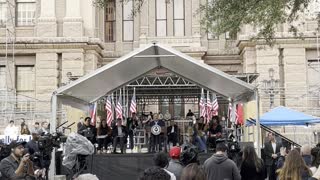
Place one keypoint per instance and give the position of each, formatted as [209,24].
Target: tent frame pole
[53,125]
[258,138]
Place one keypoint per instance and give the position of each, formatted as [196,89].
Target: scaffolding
[15,106]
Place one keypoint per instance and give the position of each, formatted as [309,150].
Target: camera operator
[88,130]
[32,147]
[17,165]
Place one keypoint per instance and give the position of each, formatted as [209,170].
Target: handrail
[274,132]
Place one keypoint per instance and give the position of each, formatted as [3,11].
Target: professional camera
[315,152]
[50,141]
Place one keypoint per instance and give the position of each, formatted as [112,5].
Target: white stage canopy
[126,69]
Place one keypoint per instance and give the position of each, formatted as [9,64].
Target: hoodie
[219,167]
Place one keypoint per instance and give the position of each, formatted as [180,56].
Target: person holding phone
[18,165]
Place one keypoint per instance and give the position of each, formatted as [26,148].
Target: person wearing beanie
[175,166]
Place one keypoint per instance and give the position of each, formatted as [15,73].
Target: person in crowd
[189,154]
[157,139]
[154,173]
[193,172]
[17,165]
[87,130]
[11,130]
[25,130]
[252,167]
[104,135]
[22,123]
[306,154]
[161,160]
[214,131]
[172,133]
[132,123]
[220,167]
[45,128]
[197,138]
[36,126]
[294,168]
[189,114]
[80,123]
[272,152]
[175,166]
[119,134]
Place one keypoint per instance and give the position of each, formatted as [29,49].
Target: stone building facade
[56,39]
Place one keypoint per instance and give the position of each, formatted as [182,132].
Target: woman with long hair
[252,167]
[193,172]
[25,130]
[294,168]
[103,135]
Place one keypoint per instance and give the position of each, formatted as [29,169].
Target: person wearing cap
[17,165]
[175,166]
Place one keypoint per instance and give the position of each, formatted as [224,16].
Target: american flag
[232,117]
[119,108]
[93,111]
[202,105]
[133,105]
[209,106]
[215,105]
[109,110]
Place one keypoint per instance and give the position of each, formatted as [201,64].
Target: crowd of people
[183,164]
[13,131]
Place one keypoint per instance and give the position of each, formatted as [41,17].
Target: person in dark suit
[119,134]
[172,132]
[272,152]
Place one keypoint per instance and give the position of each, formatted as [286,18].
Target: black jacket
[268,151]
[170,128]
[115,131]
[249,172]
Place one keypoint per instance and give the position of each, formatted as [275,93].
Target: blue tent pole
[258,130]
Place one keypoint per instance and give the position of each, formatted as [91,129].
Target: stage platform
[123,166]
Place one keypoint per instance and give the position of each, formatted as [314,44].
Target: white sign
[19,138]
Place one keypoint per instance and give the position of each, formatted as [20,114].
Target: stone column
[249,60]
[73,22]
[46,79]
[295,78]
[196,28]
[144,23]
[47,22]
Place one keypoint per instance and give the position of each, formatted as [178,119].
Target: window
[26,12]
[110,21]
[127,30]
[3,13]
[178,17]
[161,18]
[2,77]
[25,86]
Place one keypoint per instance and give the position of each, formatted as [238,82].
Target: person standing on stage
[214,131]
[271,151]
[189,114]
[157,139]
[172,133]
[167,115]
[119,135]
[132,123]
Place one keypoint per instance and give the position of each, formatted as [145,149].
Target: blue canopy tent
[283,116]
